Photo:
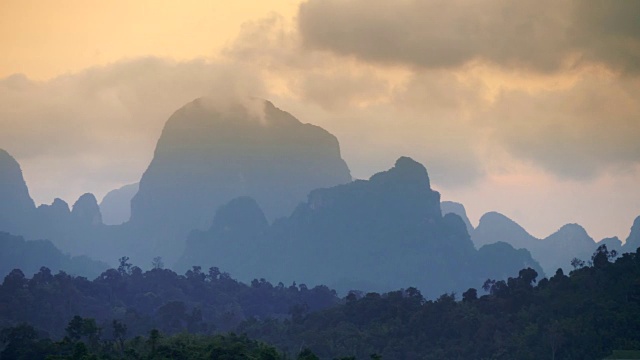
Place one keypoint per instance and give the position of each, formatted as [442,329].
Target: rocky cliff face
[208,155]
[86,211]
[633,240]
[16,206]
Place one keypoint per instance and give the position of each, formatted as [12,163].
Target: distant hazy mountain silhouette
[556,250]
[378,234]
[208,155]
[86,211]
[30,256]
[70,230]
[613,243]
[501,260]
[116,205]
[494,227]
[450,207]
[16,206]
[633,240]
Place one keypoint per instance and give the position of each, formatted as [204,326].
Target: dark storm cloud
[541,35]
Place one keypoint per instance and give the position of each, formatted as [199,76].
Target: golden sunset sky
[529,108]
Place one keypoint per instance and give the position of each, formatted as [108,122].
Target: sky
[528,108]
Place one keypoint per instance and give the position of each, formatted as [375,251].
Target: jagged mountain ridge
[207,155]
[61,224]
[378,234]
[553,252]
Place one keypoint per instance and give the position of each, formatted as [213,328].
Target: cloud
[577,123]
[538,35]
[273,46]
[579,132]
[451,102]
[96,130]
[378,114]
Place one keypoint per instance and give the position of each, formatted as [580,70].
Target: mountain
[384,233]
[51,222]
[115,207]
[494,227]
[16,206]
[553,252]
[613,243]
[558,249]
[500,260]
[208,154]
[633,240]
[86,211]
[586,314]
[236,230]
[30,256]
[458,209]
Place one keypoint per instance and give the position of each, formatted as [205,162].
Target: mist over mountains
[209,154]
[251,190]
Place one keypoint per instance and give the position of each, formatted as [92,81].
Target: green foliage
[198,302]
[306,354]
[22,342]
[624,354]
[585,315]
[589,314]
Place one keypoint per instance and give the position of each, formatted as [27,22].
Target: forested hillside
[198,302]
[584,315]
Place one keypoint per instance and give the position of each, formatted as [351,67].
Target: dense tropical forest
[129,314]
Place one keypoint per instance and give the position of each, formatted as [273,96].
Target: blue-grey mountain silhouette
[378,234]
[115,207]
[207,155]
[30,256]
[553,252]
[494,227]
[458,209]
[633,240]
[16,206]
[558,249]
[612,243]
[86,210]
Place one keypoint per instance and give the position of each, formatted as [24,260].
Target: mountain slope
[16,206]
[378,234]
[458,209]
[30,256]
[116,205]
[207,155]
[553,252]
[633,240]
